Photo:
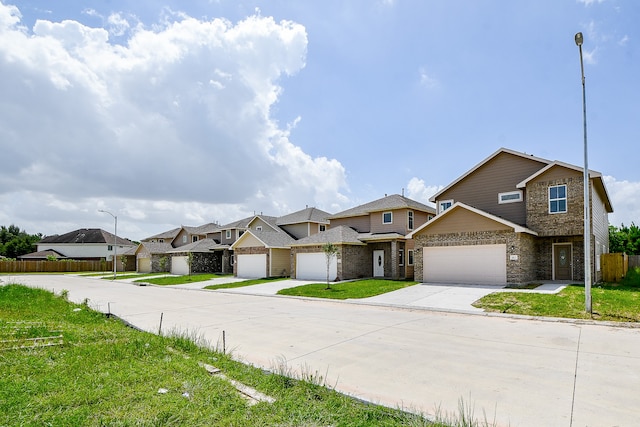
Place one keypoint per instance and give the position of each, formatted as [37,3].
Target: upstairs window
[401,257]
[322,227]
[184,239]
[387,218]
[444,205]
[228,234]
[558,199]
[410,220]
[259,228]
[510,197]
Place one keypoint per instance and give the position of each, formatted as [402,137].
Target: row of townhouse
[513,218]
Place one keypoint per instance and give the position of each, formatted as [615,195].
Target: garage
[313,266]
[252,266]
[179,265]
[476,264]
[144,265]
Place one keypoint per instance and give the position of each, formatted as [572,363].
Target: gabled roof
[202,245]
[170,235]
[341,235]
[202,229]
[85,236]
[459,205]
[271,221]
[594,176]
[155,247]
[476,167]
[270,239]
[394,201]
[43,255]
[241,223]
[305,215]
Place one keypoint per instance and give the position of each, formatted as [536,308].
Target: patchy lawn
[613,302]
[107,374]
[347,290]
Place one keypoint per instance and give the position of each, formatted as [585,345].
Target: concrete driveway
[519,372]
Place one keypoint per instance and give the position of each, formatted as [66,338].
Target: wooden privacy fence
[634,261]
[54,266]
[614,266]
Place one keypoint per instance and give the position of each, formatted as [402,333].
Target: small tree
[163,263]
[189,261]
[123,260]
[330,251]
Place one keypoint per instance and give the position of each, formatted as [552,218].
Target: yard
[347,290]
[104,373]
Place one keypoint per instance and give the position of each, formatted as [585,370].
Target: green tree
[330,251]
[624,239]
[15,242]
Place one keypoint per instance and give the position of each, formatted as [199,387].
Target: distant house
[379,247]
[83,244]
[513,218]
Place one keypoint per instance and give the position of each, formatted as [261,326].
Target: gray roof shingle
[305,215]
[86,235]
[394,201]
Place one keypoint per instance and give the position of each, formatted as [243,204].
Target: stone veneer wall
[156,263]
[520,270]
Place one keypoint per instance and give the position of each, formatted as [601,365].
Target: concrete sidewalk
[517,371]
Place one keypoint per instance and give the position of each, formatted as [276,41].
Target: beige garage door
[144,265]
[477,265]
[252,266]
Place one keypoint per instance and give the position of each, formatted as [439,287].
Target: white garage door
[179,265]
[313,266]
[478,265]
[252,266]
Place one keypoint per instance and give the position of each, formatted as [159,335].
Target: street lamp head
[579,39]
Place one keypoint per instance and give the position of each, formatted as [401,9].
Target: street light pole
[115,241]
[587,217]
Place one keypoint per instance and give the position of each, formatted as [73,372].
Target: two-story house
[371,241]
[264,249]
[513,218]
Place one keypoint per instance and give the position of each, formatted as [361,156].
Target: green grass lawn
[245,283]
[620,303]
[347,290]
[108,374]
[181,280]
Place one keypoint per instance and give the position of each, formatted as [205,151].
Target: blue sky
[186,112]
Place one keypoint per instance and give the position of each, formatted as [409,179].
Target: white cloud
[590,2]
[418,190]
[427,80]
[179,112]
[625,198]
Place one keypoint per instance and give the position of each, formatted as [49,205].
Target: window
[410,257]
[259,228]
[228,234]
[558,199]
[410,219]
[110,247]
[184,239]
[444,205]
[401,257]
[510,197]
[161,240]
[387,218]
[194,239]
[322,227]
[232,259]
[429,217]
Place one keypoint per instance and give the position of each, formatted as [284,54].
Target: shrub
[632,278]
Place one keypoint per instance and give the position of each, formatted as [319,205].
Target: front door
[562,262]
[378,263]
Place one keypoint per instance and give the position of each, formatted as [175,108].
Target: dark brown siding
[499,175]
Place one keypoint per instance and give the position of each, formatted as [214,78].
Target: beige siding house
[513,218]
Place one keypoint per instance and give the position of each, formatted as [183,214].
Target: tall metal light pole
[115,241]
[587,218]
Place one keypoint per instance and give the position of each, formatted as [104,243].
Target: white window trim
[259,228]
[442,202]
[228,234]
[184,239]
[194,239]
[390,214]
[510,193]
[410,220]
[565,198]
[410,256]
[401,256]
[322,227]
